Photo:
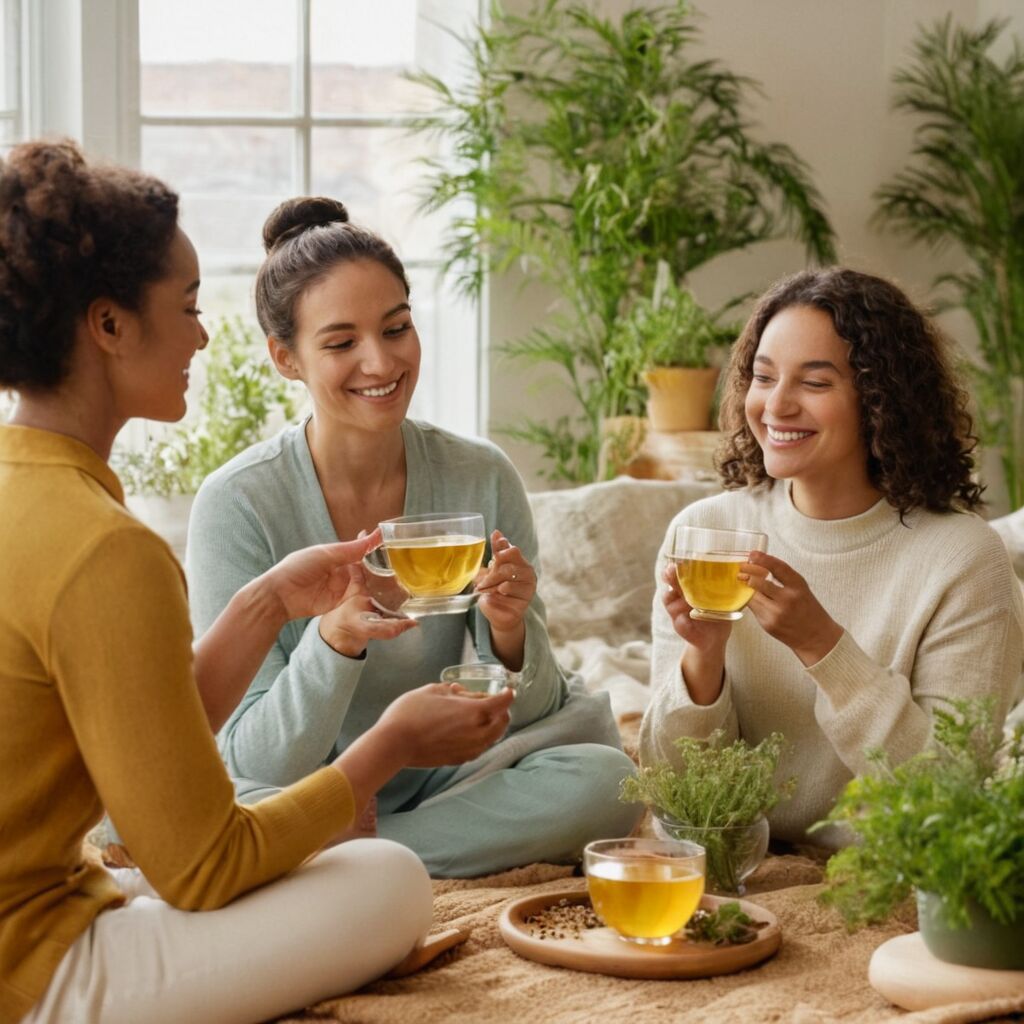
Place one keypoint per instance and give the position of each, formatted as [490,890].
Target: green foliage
[726,926]
[242,392]
[949,821]
[966,187]
[715,787]
[670,328]
[587,150]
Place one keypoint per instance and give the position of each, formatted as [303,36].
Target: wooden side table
[679,455]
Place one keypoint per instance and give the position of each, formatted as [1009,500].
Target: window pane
[361,51]
[447,390]
[374,172]
[229,180]
[8,55]
[8,131]
[217,56]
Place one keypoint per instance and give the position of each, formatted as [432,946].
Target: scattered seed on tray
[562,920]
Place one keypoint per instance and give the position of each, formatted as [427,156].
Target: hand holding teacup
[786,608]
[506,586]
[354,621]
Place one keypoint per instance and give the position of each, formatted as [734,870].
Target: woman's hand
[507,585]
[702,665]
[787,609]
[354,621]
[441,723]
[313,580]
[699,633]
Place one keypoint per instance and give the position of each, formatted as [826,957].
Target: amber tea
[435,566]
[645,889]
[710,582]
[708,563]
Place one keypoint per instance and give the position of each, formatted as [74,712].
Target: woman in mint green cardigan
[333,300]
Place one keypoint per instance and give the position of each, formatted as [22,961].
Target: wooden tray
[601,951]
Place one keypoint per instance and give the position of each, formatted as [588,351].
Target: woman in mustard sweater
[105,704]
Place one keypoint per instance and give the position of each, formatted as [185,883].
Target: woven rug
[820,975]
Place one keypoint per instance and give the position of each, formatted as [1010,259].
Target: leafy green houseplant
[586,150]
[675,339]
[718,797]
[965,187]
[948,823]
[242,393]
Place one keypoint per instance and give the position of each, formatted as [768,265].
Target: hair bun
[294,216]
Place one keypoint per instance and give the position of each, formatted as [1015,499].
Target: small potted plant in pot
[678,339]
[949,825]
[719,797]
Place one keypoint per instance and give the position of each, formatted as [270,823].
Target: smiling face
[156,344]
[803,407]
[355,347]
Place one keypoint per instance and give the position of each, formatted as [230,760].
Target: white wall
[825,68]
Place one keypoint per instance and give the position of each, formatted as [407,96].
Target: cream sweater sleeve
[120,652]
[970,647]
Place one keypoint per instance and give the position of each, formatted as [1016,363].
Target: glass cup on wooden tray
[645,890]
[426,564]
[707,563]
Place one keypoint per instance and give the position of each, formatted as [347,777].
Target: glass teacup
[481,677]
[426,564]
[644,889]
[707,564]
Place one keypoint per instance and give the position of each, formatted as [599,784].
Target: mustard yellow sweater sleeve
[121,656]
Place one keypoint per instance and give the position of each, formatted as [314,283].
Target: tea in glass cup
[481,677]
[707,565]
[431,558]
[644,889]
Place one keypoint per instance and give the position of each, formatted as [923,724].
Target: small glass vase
[733,851]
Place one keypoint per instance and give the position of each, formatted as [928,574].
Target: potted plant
[965,187]
[242,394]
[587,149]
[948,825]
[677,339]
[718,797]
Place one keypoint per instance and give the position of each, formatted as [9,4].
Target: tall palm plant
[586,151]
[966,187]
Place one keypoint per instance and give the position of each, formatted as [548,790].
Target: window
[241,106]
[11,106]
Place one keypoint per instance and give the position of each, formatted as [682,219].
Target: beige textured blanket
[818,977]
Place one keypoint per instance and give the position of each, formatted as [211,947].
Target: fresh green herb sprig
[716,787]
[726,926]
[949,821]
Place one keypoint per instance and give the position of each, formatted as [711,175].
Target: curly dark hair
[304,239]
[914,412]
[71,232]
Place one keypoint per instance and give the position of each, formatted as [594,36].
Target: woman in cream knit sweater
[884,593]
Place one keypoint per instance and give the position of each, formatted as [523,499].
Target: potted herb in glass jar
[719,797]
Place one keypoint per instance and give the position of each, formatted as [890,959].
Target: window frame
[303,122]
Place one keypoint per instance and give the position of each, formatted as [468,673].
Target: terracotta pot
[986,943]
[679,398]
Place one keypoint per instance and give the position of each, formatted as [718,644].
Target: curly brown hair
[70,233]
[914,415]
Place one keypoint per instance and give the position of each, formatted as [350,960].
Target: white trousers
[329,927]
